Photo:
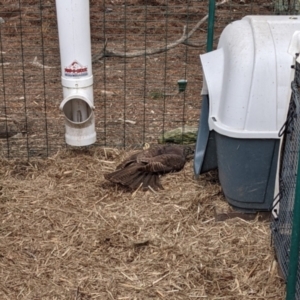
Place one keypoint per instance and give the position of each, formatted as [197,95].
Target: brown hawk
[143,168]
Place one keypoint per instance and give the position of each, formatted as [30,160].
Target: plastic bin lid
[248,77]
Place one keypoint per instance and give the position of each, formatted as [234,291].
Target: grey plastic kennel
[245,94]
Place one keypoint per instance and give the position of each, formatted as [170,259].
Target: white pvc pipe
[73,17]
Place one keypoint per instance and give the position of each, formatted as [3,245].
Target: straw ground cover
[66,233]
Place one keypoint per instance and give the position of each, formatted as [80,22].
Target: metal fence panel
[136,98]
[283,218]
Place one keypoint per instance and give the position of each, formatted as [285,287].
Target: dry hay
[66,233]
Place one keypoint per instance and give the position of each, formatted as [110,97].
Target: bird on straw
[143,169]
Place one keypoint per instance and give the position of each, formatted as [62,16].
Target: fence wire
[136,98]
[283,216]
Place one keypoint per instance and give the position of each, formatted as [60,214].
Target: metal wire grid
[136,99]
[29,77]
[283,220]
[286,7]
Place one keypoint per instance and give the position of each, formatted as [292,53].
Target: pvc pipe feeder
[73,18]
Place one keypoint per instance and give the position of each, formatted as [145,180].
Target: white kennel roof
[248,78]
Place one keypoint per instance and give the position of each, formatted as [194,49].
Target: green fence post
[211,23]
[295,242]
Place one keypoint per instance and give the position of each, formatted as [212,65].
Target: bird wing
[142,169]
[141,156]
[134,176]
[150,153]
[118,176]
[128,161]
[164,163]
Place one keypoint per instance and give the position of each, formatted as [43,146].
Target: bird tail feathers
[135,177]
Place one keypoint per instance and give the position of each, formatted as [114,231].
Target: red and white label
[76,69]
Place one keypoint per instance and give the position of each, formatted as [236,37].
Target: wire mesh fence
[136,96]
[283,214]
